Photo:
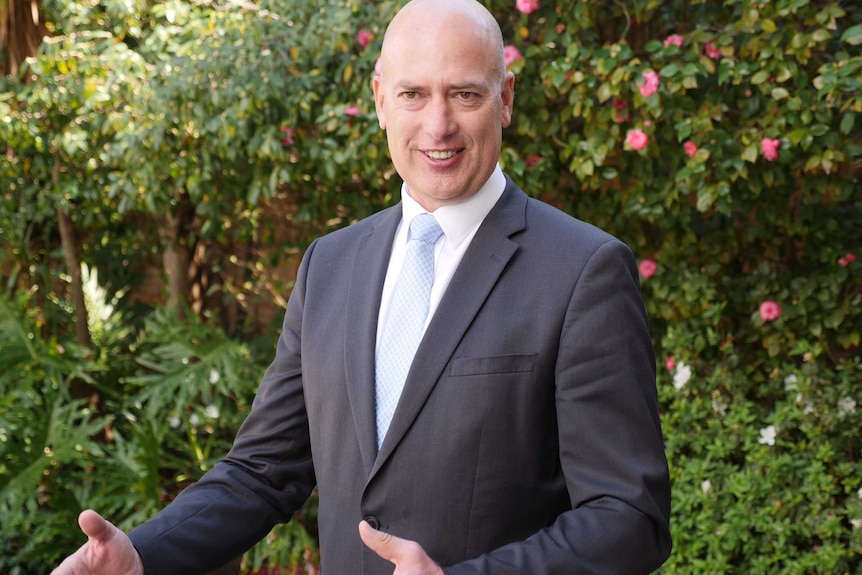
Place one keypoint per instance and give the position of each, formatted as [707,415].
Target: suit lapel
[366,286]
[484,261]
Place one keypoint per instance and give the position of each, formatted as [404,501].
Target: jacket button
[373,521]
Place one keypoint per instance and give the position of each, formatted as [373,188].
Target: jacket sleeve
[610,441]
[264,479]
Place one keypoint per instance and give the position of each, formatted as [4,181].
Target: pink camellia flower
[510,54]
[712,51]
[364,38]
[769,147]
[650,85]
[289,136]
[561,28]
[527,6]
[637,139]
[848,259]
[620,105]
[647,268]
[352,111]
[674,40]
[690,148]
[532,160]
[670,362]
[770,310]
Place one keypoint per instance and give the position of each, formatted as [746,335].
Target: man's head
[443,97]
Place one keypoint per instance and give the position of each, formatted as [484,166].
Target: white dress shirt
[459,223]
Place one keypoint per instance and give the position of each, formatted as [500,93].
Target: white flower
[719,406]
[214,376]
[856,523]
[705,485]
[846,405]
[174,422]
[767,435]
[211,411]
[194,419]
[859,493]
[790,382]
[681,375]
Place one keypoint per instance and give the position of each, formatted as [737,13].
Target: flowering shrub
[719,139]
[743,207]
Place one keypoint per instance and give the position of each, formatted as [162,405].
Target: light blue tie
[405,320]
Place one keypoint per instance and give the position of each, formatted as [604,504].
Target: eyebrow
[470,87]
[460,87]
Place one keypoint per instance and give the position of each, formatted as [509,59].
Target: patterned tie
[405,321]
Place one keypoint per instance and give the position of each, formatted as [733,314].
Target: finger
[95,526]
[378,541]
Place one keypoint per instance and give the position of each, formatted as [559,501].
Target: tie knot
[424,228]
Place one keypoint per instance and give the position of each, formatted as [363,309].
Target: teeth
[440,155]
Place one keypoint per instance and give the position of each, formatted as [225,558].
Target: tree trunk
[21,32]
[73,266]
[177,255]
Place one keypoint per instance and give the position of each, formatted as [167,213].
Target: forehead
[450,50]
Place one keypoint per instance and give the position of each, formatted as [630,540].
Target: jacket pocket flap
[521,363]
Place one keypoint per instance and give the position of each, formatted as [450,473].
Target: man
[526,438]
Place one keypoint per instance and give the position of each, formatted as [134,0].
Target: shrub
[719,139]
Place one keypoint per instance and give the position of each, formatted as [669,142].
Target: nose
[439,120]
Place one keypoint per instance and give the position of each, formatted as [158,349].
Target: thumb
[378,541]
[408,556]
[95,526]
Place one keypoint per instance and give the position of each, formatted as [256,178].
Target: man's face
[443,105]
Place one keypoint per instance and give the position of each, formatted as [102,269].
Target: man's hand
[108,551]
[408,556]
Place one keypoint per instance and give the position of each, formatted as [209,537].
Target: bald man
[525,438]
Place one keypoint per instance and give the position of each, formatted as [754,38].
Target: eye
[466,95]
[409,95]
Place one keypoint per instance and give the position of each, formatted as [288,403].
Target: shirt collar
[458,220]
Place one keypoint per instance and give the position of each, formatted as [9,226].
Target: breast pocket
[493,365]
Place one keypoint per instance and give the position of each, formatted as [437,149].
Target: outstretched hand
[108,550]
[408,556]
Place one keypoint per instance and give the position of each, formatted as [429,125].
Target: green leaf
[779,93]
[760,77]
[853,35]
[749,154]
[847,122]
[669,71]
[604,93]
[822,35]
[819,130]
[813,163]
[610,173]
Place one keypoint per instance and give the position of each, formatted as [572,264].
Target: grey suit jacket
[527,439]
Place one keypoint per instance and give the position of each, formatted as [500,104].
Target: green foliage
[747,191]
[158,427]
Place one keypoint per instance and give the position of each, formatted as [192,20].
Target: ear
[508,97]
[376,86]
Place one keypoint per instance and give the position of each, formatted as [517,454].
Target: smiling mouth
[440,154]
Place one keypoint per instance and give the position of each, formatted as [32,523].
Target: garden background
[165,164]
